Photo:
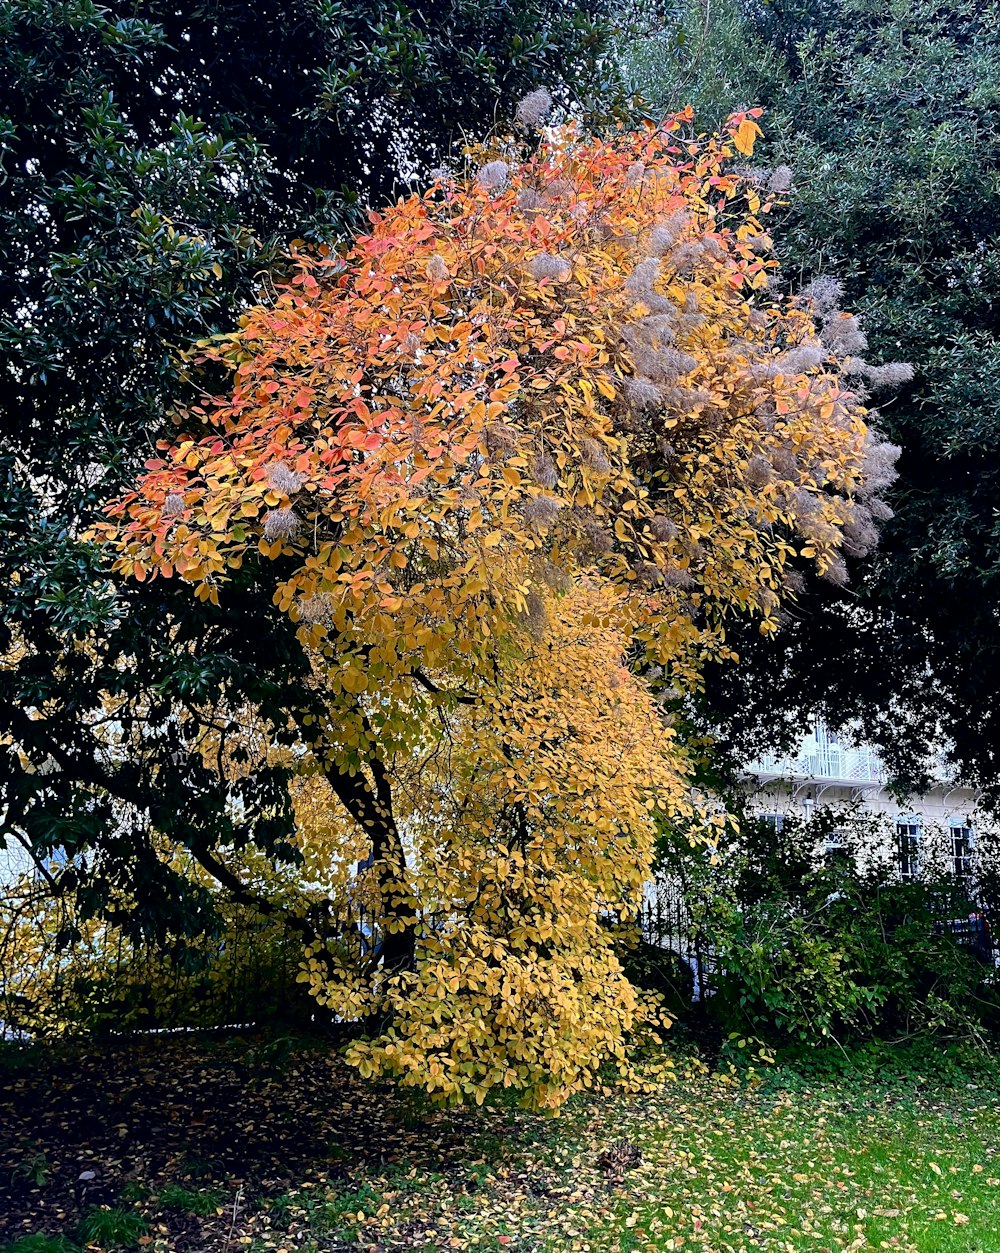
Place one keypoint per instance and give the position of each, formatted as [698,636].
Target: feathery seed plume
[639,285]
[540,512]
[794,582]
[642,393]
[280,524]
[437,270]
[780,180]
[759,243]
[676,576]
[859,532]
[545,265]
[785,463]
[550,575]
[559,189]
[594,456]
[534,615]
[878,464]
[686,256]
[879,510]
[758,472]
[647,575]
[795,360]
[533,108]
[501,440]
[661,363]
[316,608]
[663,236]
[544,470]
[493,175]
[283,479]
[662,528]
[597,538]
[842,334]
[892,374]
[643,277]
[824,294]
[836,572]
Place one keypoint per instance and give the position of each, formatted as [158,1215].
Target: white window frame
[909,827]
[835,842]
[955,825]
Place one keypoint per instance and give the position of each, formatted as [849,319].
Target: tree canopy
[508,465]
[156,160]
[886,118]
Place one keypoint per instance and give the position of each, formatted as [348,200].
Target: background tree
[883,120]
[510,464]
[156,157]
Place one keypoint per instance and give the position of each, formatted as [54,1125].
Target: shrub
[801,952]
[61,974]
[659,970]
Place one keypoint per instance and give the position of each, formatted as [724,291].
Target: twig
[236,1213]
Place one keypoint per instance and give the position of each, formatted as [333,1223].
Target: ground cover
[178,1146]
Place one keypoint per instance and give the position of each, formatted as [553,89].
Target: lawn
[236,1145]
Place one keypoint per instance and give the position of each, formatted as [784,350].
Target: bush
[658,970]
[802,952]
[62,974]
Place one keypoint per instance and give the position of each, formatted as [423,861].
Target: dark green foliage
[802,952]
[889,115]
[658,970]
[112,1228]
[200,1203]
[33,1167]
[909,1070]
[155,160]
[39,1243]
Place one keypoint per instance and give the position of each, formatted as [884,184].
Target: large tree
[508,466]
[888,119]
[155,159]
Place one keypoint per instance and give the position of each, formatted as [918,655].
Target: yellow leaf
[745,135]
[354,680]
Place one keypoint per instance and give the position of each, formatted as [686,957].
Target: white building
[944,828]
[14,862]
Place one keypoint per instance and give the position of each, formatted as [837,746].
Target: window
[835,850]
[908,844]
[961,849]
[775,822]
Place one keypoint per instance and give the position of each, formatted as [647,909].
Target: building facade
[944,830]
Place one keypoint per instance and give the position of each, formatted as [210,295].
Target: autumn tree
[509,464]
[155,158]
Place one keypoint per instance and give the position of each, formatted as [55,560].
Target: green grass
[883,1149]
[796,1163]
[39,1243]
[201,1203]
[112,1228]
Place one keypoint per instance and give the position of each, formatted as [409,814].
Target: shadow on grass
[203,1125]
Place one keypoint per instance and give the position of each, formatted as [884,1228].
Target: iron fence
[667,923]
